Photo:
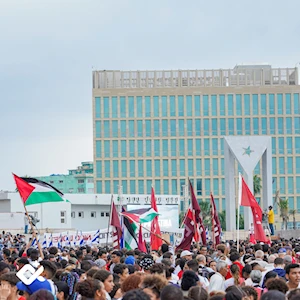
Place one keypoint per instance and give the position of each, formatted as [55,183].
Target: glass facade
[162,140]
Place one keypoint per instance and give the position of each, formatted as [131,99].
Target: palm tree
[293,213]
[242,222]
[206,213]
[256,185]
[283,205]
[222,218]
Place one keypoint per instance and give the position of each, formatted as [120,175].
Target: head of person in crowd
[107,279]
[287,259]
[282,252]
[186,254]
[116,257]
[278,263]
[90,273]
[293,275]
[146,263]
[63,291]
[213,265]
[222,250]
[102,254]
[101,263]
[122,271]
[153,285]
[8,285]
[49,269]
[197,293]
[235,293]
[273,295]
[116,292]
[130,260]
[131,283]
[4,268]
[269,275]
[235,272]
[42,295]
[38,284]
[171,292]
[21,262]
[201,259]
[278,284]
[192,265]
[70,278]
[294,294]
[136,295]
[91,289]
[222,268]
[189,279]
[203,250]
[250,292]
[256,277]
[158,268]
[234,257]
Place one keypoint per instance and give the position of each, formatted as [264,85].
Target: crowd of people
[248,272]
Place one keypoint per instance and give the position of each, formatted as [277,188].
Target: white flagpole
[238,214]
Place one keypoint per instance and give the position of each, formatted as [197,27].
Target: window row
[182,147]
[197,105]
[197,127]
[92,214]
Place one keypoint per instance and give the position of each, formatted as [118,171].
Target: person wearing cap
[271,219]
[186,254]
[38,284]
[281,252]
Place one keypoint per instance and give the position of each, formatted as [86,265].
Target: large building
[161,127]
[78,181]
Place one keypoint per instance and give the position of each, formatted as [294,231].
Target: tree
[256,185]
[242,223]
[206,213]
[293,213]
[283,205]
[222,218]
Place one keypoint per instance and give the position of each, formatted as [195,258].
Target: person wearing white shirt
[217,281]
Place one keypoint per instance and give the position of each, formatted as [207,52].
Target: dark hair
[167,255]
[293,294]
[118,253]
[101,252]
[119,269]
[196,293]
[53,250]
[181,263]
[250,291]
[278,261]
[91,272]
[3,266]
[247,269]
[102,275]
[23,261]
[88,287]
[157,269]
[171,292]
[49,267]
[86,265]
[193,265]
[6,252]
[234,293]
[10,277]
[289,267]
[79,254]
[278,284]
[189,279]
[114,290]
[155,283]
[63,287]
[164,248]
[234,256]
[269,275]
[34,254]
[42,295]
[273,295]
[136,295]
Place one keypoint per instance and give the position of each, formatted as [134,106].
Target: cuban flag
[68,243]
[59,244]
[34,243]
[95,239]
[44,245]
[51,241]
[207,233]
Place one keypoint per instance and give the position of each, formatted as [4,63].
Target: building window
[73,214]
[63,217]
[61,181]
[80,214]
[51,181]
[93,214]
[71,190]
[90,180]
[80,190]
[102,214]
[80,181]
[107,214]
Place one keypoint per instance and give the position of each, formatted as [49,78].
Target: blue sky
[48,50]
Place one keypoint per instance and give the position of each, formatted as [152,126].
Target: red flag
[115,222]
[248,199]
[24,188]
[141,245]
[215,221]
[192,222]
[156,242]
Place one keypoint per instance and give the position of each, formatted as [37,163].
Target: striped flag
[216,225]
[34,243]
[129,231]
[115,223]
[81,241]
[44,245]
[95,239]
[59,244]
[51,241]
[68,243]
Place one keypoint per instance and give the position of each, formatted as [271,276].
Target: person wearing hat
[186,254]
[38,284]
[271,219]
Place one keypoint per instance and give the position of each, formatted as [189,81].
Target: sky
[49,48]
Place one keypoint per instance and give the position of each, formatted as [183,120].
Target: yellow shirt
[271,218]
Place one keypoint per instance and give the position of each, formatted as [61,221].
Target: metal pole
[120,197]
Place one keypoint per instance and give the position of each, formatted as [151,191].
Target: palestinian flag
[130,230]
[34,191]
[142,215]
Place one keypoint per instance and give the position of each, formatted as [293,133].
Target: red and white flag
[215,221]
[156,242]
[246,198]
[141,244]
[115,223]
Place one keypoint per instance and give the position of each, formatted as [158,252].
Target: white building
[84,211]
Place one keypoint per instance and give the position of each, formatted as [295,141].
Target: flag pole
[238,214]
[213,220]
[109,219]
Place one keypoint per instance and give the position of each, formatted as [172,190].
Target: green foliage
[256,185]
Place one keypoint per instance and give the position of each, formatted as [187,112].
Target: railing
[239,76]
